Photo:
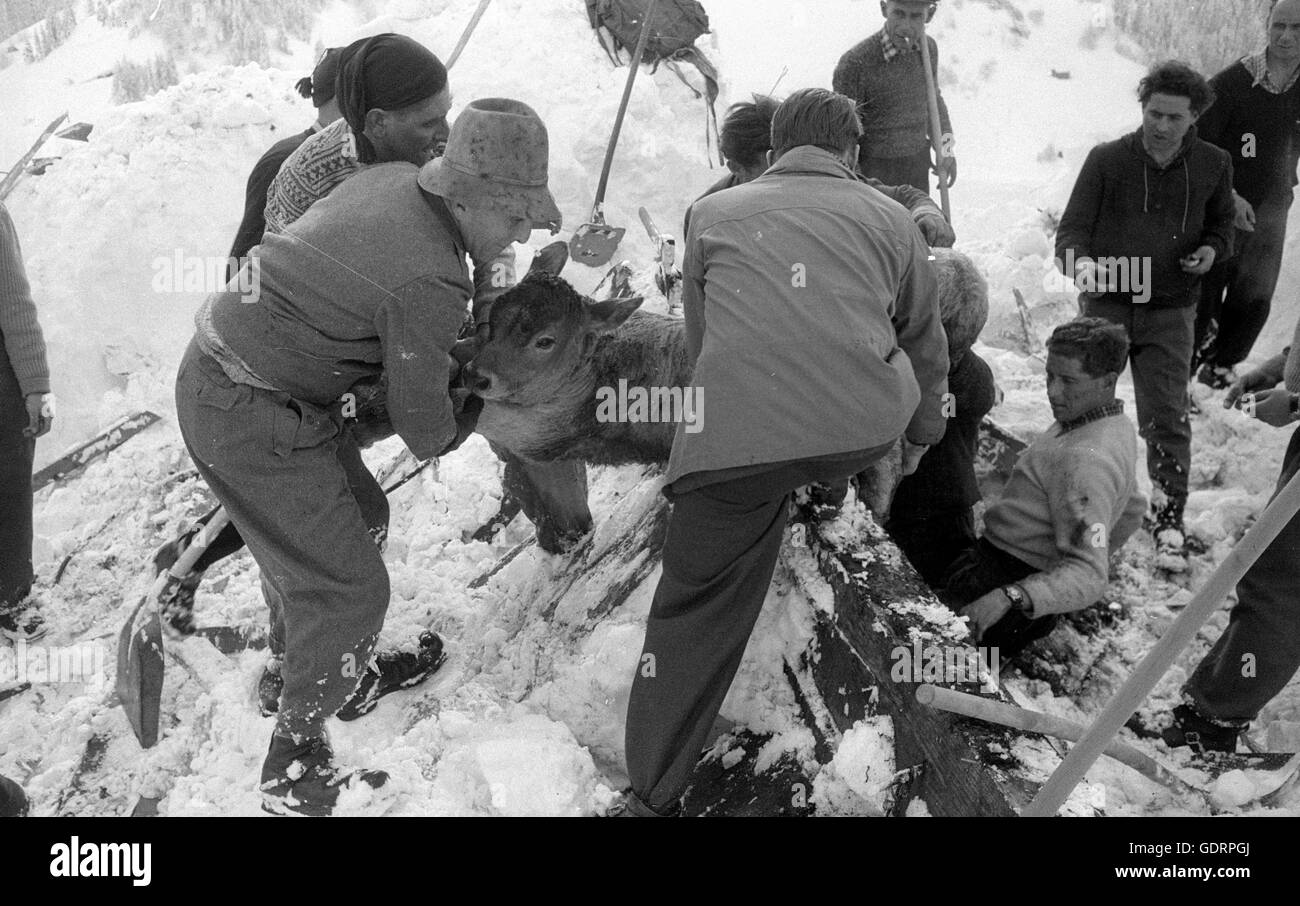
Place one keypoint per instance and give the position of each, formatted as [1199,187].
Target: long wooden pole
[936,128]
[469,30]
[1129,698]
[996,712]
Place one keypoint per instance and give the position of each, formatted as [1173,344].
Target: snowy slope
[526,718]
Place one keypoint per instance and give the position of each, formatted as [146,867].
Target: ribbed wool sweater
[1261,131]
[20,332]
[891,97]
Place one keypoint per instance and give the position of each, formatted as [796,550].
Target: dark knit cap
[385,72]
[321,84]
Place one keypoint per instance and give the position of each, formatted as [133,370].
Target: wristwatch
[1019,600]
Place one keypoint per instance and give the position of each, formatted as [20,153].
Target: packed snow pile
[527,716]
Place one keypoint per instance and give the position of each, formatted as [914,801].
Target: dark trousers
[273,462]
[1259,652]
[1160,352]
[718,558]
[16,455]
[984,568]
[932,541]
[1237,294]
[899,171]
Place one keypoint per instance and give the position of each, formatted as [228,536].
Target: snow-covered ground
[526,718]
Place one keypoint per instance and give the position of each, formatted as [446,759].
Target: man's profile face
[1073,392]
[1166,118]
[1284,32]
[905,21]
[415,134]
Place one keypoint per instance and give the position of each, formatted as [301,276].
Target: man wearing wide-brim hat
[372,280]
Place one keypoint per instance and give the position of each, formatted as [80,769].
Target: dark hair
[815,116]
[1100,346]
[747,131]
[1177,78]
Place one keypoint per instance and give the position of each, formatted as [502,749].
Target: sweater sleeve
[909,197]
[1221,215]
[920,334]
[1079,222]
[1213,123]
[417,328]
[19,329]
[1082,496]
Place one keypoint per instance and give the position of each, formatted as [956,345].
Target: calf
[554,357]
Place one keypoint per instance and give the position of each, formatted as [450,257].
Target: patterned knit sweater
[310,173]
[24,345]
[891,97]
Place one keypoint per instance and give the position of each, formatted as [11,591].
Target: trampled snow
[527,715]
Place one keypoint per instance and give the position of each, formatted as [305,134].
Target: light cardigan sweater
[19,330]
[1071,500]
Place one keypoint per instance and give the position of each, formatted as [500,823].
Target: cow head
[542,335]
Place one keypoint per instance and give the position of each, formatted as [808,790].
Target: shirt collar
[1115,407]
[1257,65]
[891,50]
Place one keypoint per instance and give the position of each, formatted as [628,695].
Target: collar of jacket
[1257,65]
[891,51]
[442,211]
[1134,141]
[1115,407]
[809,159]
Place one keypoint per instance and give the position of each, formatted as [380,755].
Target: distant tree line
[1208,34]
[15,15]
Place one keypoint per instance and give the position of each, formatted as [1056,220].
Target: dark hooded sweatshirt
[1126,206]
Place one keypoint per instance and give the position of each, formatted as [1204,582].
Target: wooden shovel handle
[635,64]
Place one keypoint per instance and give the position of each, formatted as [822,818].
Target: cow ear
[607,316]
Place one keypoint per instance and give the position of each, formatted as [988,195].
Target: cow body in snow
[567,379]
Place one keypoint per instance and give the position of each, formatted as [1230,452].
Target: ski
[107,441]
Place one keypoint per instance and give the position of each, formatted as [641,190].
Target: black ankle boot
[301,777]
[391,671]
[1199,733]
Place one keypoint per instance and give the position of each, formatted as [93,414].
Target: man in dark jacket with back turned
[1149,215]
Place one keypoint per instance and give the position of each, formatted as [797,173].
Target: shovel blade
[595,244]
[140,671]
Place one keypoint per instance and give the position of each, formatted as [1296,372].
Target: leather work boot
[391,671]
[301,777]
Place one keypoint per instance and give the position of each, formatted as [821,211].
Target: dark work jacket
[253,225]
[945,479]
[1125,206]
[1264,167]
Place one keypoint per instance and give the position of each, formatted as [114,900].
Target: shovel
[595,241]
[140,644]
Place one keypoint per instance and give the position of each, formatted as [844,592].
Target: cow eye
[544,343]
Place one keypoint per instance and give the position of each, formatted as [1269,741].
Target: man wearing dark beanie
[394,99]
[319,86]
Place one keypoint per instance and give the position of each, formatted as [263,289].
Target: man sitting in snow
[746,144]
[1071,500]
[884,75]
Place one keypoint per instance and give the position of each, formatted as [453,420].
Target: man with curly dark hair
[1149,215]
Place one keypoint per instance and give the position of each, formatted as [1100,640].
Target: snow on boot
[269,686]
[301,777]
[1200,733]
[391,671]
[13,801]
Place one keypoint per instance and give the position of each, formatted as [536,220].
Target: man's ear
[929,13]
[375,121]
[884,9]
[772,158]
[607,316]
[850,157]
